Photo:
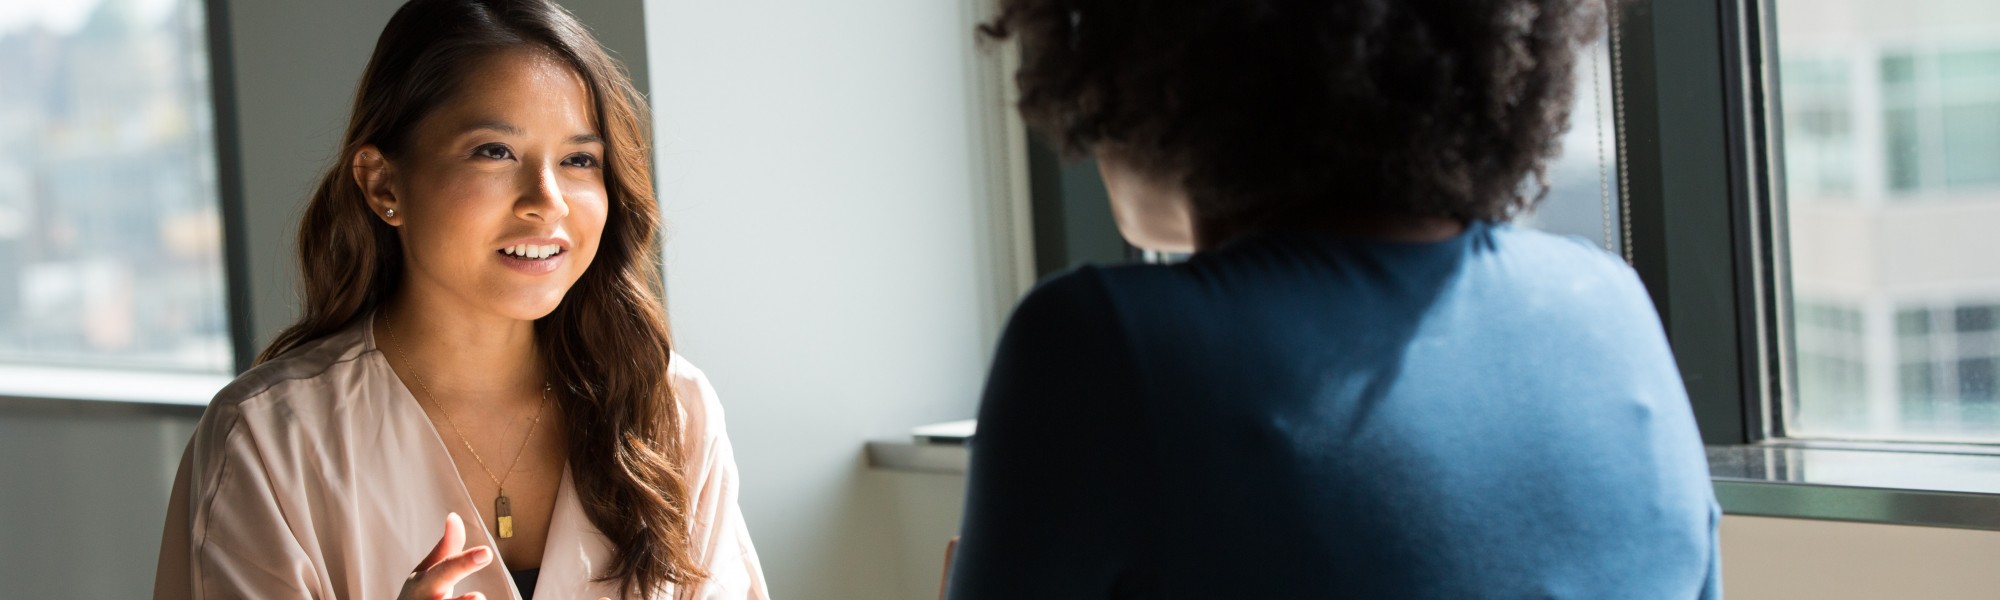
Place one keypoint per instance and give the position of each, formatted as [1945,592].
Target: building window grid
[1941,115]
[1946,359]
[1898,122]
[1832,364]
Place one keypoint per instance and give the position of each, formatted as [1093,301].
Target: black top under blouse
[524,579]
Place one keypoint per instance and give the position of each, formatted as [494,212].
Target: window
[109,205]
[1890,114]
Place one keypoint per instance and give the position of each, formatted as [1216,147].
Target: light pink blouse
[317,475]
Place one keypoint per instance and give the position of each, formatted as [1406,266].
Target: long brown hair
[606,345]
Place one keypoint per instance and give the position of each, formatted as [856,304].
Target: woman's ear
[371,171]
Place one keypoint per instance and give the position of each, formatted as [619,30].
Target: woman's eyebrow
[505,128]
[494,125]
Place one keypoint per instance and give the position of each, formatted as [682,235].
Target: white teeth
[533,251]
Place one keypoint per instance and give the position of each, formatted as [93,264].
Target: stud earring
[389,214]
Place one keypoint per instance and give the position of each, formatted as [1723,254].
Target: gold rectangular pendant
[504,516]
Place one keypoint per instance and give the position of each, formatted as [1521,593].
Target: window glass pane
[1976,70]
[1972,144]
[108,205]
[1919,382]
[1975,380]
[1974,319]
[1913,322]
[1901,154]
[1892,209]
[1823,153]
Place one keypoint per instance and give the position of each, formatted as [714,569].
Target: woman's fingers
[446,564]
[447,574]
[451,543]
[436,582]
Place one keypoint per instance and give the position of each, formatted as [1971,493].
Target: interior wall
[1763,558]
[83,493]
[1827,560]
[831,262]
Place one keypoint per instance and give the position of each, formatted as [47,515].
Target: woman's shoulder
[1080,294]
[296,393]
[1073,323]
[700,408]
[1563,253]
[1591,275]
[311,365]
[278,410]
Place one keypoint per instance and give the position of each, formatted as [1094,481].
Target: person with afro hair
[1364,382]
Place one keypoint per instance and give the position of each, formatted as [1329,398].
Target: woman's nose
[544,201]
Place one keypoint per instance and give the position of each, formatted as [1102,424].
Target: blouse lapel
[575,552]
[407,414]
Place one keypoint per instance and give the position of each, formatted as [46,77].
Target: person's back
[1493,415]
[1363,383]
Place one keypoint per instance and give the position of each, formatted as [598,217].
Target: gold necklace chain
[503,511]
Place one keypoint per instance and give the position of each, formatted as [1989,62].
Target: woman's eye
[493,151]
[581,160]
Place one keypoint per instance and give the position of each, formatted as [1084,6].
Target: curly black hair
[1275,110]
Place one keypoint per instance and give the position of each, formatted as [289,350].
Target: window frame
[1716,259]
[1694,79]
[229,184]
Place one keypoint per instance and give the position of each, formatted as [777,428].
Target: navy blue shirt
[1496,415]
[524,580]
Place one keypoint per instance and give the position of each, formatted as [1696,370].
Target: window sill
[1867,483]
[51,386]
[1929,486]
[918,457]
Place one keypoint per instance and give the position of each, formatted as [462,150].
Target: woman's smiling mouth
[539,258]
[532,251]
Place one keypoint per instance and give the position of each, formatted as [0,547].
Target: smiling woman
[493,222]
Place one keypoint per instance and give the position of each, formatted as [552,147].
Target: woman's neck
[1370,225]
[459,353]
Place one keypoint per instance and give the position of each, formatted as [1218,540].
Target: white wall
[1763,558]
[832,262]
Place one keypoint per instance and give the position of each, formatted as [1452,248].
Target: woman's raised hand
[447,563]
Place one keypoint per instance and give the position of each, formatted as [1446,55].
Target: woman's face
[1151,212]
[499,198]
